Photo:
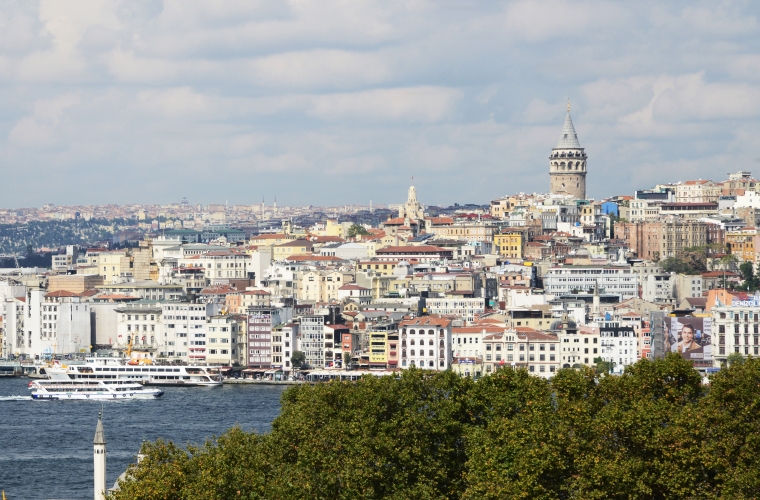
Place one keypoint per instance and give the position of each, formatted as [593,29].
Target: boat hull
[95,397]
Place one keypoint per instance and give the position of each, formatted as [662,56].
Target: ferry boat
[91,389]
[114,368]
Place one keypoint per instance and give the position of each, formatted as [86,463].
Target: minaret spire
[99,454]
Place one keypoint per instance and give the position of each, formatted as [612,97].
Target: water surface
[46,446]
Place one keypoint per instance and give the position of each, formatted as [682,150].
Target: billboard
[690,337]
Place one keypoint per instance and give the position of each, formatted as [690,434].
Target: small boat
[91,389]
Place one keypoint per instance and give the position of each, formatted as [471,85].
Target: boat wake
[15,398]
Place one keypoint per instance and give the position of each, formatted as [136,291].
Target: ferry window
[121,369]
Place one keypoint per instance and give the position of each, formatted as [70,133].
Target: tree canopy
[357,230]
[653,432]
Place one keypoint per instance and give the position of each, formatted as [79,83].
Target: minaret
[595,308]
[99,451]
[567,163]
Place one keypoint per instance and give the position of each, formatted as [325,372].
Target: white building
[284,343]
[313,340]
[659,288]
[422,353]
[613,279]
[466,308]
[354,292]
[619,345]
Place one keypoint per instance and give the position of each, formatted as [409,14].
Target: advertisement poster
[690,337]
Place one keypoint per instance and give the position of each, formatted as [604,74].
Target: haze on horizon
[327,103]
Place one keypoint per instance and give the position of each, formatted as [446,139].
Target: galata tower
[567,163]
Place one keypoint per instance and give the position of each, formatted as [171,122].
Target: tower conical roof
[568,139]
[100,437]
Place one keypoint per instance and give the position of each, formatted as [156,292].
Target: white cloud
[41,129]
[416,104]
[359,94]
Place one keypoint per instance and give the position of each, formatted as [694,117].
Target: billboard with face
[690,337]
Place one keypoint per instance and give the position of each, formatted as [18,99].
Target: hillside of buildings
[652,432]
[533,281]
[22,239]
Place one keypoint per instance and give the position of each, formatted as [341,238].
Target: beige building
[294,247]
[268,240]
[322,286]
[700,191]
[226,337]
[75,283]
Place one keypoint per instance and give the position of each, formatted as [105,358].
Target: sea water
[46,446]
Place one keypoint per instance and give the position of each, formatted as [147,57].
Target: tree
[652,432]
[603,366]
[734,358]
[751,281]
[357,230]
[346,360]
[298,359]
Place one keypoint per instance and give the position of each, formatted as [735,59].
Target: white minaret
[99,451]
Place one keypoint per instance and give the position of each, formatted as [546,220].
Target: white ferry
[91,389]
[107,369]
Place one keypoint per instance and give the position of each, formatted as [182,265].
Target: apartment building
[736,328]
[510,243]
[223,339]
[312,341]
[538,352]
[422,353]
[469,309]
[614,279]
[284,344]
[662,239]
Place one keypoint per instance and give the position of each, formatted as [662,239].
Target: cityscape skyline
[149,102]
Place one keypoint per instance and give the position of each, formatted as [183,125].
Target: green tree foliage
[751,280]
[357,230]
[298,359]
[653,432]
[603,366]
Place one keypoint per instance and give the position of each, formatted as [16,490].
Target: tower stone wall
[567,163]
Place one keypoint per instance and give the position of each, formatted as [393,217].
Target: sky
[342,102]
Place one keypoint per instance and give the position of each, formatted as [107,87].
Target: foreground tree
[652,432]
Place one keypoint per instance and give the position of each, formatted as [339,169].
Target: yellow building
[294,247]
[335,228]
[268,240]
[378,348]
[113,266]
[742,244]
[509,243]
[384,268]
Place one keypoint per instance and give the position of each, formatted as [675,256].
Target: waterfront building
[313,340]
[426,343]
